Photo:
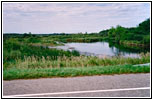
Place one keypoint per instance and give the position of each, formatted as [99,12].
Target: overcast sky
[71,17]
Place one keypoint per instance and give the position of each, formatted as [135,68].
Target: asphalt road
[125,85]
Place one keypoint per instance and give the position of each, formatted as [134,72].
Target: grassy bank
[15,73]
[133,43]
[73,61]
[35,67]
[14,51]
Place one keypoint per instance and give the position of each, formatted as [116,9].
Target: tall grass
[80,61]
[14,50]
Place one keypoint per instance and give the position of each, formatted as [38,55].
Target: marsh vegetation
[29,56]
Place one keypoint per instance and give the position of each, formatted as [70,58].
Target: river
[100,49]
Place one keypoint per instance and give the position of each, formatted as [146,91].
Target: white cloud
[72,17]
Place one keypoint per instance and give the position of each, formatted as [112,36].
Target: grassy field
[28,73]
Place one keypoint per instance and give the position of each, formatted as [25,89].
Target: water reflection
[101,49]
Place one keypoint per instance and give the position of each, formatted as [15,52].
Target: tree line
[141,33]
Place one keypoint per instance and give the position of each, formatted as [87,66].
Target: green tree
[111,32]
[120,32]
[144,27]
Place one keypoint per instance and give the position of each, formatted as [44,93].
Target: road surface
[125,85]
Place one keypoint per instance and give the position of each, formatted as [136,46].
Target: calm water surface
[100,49]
